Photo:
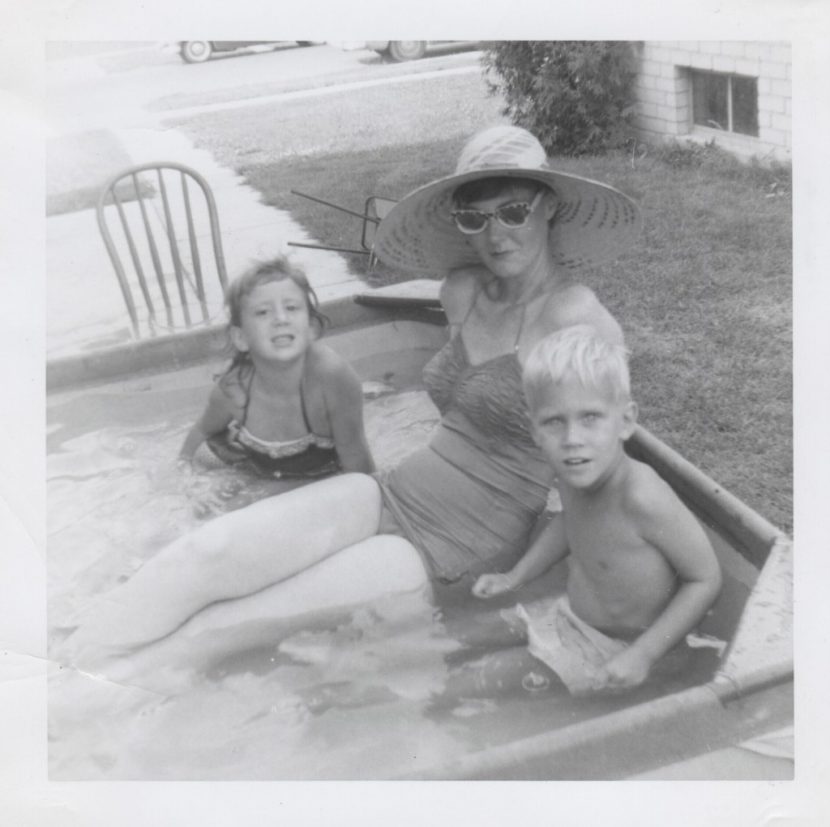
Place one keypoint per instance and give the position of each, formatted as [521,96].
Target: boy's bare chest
[603,539]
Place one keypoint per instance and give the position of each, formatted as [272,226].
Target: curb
[178,350]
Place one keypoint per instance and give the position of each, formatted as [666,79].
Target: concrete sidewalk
[85,309]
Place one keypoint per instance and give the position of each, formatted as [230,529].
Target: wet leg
[233,556]
[360,574]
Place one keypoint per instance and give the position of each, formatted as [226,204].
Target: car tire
[400,50]
[196,51]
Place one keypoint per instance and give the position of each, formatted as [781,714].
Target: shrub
[685,155]
[575,96]
[774,177]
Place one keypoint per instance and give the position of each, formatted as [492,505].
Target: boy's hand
[624,671]
[490,585]
[184,466]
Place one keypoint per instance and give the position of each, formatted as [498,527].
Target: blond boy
[642,572]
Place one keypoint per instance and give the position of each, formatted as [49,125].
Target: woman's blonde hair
[576,351]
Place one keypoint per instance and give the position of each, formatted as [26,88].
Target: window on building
[728,102]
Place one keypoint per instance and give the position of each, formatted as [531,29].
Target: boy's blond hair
[576,351]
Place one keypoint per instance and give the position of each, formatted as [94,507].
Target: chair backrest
[161,229]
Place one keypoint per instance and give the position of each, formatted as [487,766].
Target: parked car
[198,51]
[399,50]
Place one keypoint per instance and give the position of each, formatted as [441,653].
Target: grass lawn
[704,297]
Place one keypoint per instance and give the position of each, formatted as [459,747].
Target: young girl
[287,407]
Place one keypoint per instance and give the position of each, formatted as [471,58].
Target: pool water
[407,683]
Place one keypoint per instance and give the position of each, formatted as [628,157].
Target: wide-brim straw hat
[593,222]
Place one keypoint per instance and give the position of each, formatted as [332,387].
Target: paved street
[145,85]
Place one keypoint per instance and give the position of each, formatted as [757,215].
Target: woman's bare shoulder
[575,304]
[458,290]
[571,301]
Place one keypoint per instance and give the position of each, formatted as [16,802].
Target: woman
[503,231]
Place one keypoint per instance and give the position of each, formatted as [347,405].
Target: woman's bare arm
[578,304]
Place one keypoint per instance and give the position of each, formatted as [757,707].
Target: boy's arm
[215,418]
[677,534]
[344,401]
[548,548]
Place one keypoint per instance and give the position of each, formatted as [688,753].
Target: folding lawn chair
[375,209]
[165,213]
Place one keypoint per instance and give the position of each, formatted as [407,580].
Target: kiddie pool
[363,724]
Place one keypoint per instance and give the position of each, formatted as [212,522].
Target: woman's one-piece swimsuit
[470,500]
[310,456]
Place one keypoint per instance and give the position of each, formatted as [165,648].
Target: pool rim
[754,537]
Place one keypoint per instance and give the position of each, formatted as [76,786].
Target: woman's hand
[490,585]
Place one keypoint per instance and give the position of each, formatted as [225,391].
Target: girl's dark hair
[264,272]
[483,188]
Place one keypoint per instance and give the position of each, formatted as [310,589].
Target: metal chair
[165,213]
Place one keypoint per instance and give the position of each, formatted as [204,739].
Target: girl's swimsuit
[470,500]
[309,456]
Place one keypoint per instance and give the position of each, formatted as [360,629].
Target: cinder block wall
[663,92]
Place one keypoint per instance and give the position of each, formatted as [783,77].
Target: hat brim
[593,223]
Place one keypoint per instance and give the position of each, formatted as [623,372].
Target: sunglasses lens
[470,221]
[513,215]
[510,215]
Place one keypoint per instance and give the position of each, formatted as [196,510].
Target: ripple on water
[320,703]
